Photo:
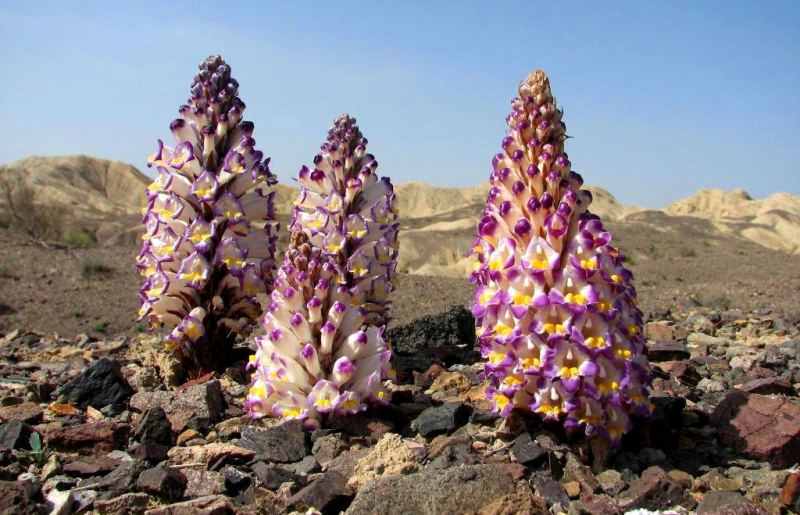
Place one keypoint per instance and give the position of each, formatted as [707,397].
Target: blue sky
[661,98]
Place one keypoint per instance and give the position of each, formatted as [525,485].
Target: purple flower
[554,306]
[324,354]
[210,227]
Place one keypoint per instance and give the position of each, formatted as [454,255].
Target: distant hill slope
[438,223]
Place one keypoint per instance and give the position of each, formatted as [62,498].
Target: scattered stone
[573,489]
[454,490]
[576,471]
[202,483]
[26,412]
[682,371]
[612,482]
[165,482]
[204,403]
[16,435]
[63,410]
[450,381]
[272,476]
[328,493]
[101,436]
[760,427]
[283,443]
[133,502]
[451,327]
[210,454]
[526,451]
[389,457]
[20,498]
[655,490]
[790,493]
[90,466]
[59,503]
[211,505]
[716,499]
[552,492]
[154,427]
[328,447]
[100,385]
[769,386]
[304,467]
[660,331]
[152,452]
[187,435]
[667,351]
[441,419]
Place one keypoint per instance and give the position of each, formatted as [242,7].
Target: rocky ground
[102,426]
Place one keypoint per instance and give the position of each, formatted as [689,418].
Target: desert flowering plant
[555,308]
[210,227]
[323,352]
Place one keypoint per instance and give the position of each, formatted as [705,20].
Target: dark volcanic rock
[165,482]
[99,386]
[154,427]
[209,505]
[454,490]
[284,443]
[16,435]
[451,327]
[760,427]
[551,491]
[272,476]
[441,419]
[526,451]
[20,498]
[655,490]
[328,493]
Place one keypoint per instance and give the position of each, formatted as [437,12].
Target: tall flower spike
[555,308]
[210,230]
[323,350]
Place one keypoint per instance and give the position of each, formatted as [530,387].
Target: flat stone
[59,503]
[760,427]
[102,436]
[328,447]
[285,443]
[454,490]
[16,435]
[26,412]
[683,371]
[594,504]
[667,351]
[165,482]
[441,419]
[152,452]
[211,505]
[769,386]
[526,451]
[134,503]
[655,490]
[202,401]
[100,385]
[210,454]
[328,493]
[90,466]
[790,491]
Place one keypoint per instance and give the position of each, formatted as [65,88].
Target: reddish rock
[659,331]
[102,436]
[26,412]
[769,386]
[761,427]
[655,490]
[90,466]
[790,494]
[681,371]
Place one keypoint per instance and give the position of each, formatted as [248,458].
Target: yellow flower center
[503,330]
[291,412]
[539,264]
[531,362]
[569,372]
[501,401]
[589,264]
[595,342]
[576,298]
[521,299]
[553,328]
